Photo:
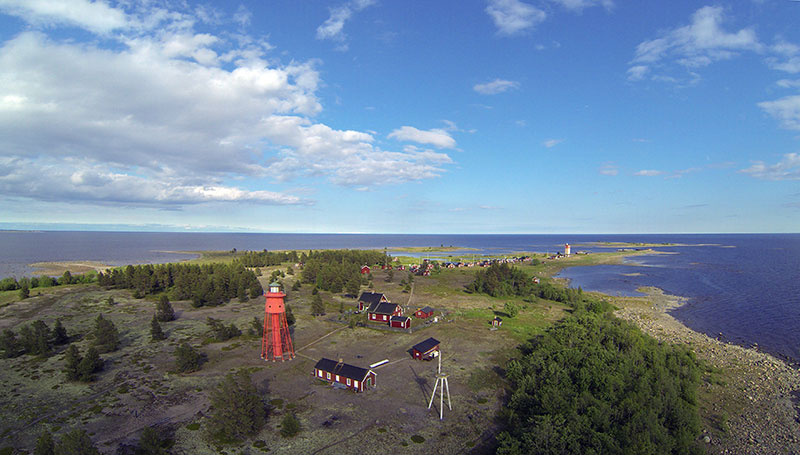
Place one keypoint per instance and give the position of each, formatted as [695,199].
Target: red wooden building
[497,321]
[423,313]
[382,312]
[426,350]
[402,322]
[364,269]
[367,299]
[352,377]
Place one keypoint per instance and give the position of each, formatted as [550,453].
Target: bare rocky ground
[747,397]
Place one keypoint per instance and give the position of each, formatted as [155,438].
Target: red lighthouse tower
[277,343]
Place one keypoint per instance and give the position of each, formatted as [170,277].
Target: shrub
[290,426]
[76,442]
[187,359]
[151,443]
[220,332]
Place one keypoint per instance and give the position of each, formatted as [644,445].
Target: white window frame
[348,381]
[329,376]
[319,373]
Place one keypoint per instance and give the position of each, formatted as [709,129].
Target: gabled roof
[427,309]
[371,297]
[399,318]
[383,308]
[426,345]
[342,369]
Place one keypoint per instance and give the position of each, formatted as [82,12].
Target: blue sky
[497,116]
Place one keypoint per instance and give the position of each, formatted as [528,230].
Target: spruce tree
[317,307]
[90,364]
[164,310]
[236,408]
[37,340]
[156,334]
[72,359]
[187,359]
[290,426]
[60,335]
[9,344]
[106,335]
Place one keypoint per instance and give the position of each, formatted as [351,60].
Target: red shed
[364,269]
[426,350]
[497,322]
[402,322]
[423,313]
[382,312]
[352,377]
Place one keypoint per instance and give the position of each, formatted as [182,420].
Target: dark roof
[383,308]
[371,297]
[426,345]
[400,318]
[342,369]
[427,309]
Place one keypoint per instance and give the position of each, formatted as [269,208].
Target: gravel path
[757,388]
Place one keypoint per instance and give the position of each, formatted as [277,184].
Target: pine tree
[106,335]
[37,339]
[60,335]
[150,443]
[72,359]
[90,364]
[164,311]
[236,408]
[156,334]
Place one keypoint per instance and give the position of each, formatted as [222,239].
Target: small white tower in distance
[566,249]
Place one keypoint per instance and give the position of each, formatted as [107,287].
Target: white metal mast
[441,378]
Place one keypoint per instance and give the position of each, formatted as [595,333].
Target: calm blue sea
[746,287]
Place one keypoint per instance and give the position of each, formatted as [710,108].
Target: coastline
[746,397]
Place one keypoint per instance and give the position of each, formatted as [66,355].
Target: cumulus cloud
[436,137]
[496,86]
[333,27]
[512,17]
[647,173]
[168,115]
[786,169]
[95,16]
[550,143]
[698,44]
[786,109]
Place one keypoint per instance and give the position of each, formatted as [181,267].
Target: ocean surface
[746,287]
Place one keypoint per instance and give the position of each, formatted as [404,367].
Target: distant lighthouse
[566,249]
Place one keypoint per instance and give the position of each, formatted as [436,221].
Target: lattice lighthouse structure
[442,385]
[277,342]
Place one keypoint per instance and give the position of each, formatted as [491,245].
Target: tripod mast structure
[442,385]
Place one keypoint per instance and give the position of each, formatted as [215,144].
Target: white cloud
[789,83]
[496,86]
[436,137]
[647,173]
[333,27]
[787,169]
[786,109]
[580,5]
[550,143]
[170,115]
[609,169]
[787,57]
[512,17]
[95,16]
[698,44]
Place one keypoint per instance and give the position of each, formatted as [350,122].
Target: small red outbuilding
[402,322]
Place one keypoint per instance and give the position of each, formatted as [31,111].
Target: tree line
[503,280]
[594,384]
[204,285]
[338,270]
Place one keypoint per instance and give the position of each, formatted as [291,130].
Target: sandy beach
[747,396]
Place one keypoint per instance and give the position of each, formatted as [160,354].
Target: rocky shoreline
[750,395]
